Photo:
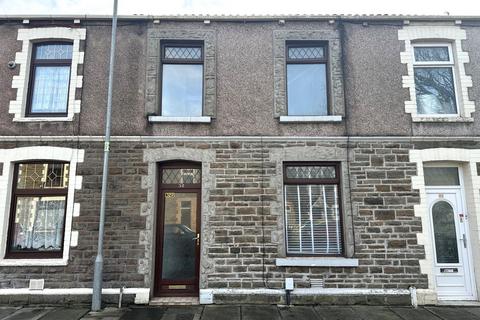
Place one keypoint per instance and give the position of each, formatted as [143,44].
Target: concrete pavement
[244,312]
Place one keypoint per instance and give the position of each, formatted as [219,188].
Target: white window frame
[24,154]
[417,35]
[432,64]
[23,61]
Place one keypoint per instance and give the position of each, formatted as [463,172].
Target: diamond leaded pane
[303,53]
[54,51]
[186,53]
[42,175]
[184,176]
[310,172]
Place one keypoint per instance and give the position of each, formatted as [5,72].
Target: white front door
[451,245]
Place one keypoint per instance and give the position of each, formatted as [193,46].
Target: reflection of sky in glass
[50,89]
[306,90]
[182,90]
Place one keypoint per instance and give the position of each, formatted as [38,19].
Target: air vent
[316,283]
[36,284]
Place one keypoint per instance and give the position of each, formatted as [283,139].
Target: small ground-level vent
[36,284]
[316,283]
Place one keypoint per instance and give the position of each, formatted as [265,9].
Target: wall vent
[316,283]
[36,284]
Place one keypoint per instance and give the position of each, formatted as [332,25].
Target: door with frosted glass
[451,245]
[178,230]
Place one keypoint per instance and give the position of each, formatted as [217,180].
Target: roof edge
[347,17]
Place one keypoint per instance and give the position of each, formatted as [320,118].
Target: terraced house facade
[338,151]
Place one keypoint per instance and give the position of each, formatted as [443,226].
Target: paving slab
[453,313]
[336,313]
[183,313]
[409,313]
[6,311]
[375,313]
[475,311]
[298,312]
[221,313]
[28,314]
[260,312]
[65,314]
[105,314]
[144,314]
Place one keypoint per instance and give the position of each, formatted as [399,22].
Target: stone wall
[242,215]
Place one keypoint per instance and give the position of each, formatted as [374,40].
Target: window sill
[441,119]
[159,119]
[316,262]
[293,119]
[33,262]
[42,119]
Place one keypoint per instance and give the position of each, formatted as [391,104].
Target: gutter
[241,18]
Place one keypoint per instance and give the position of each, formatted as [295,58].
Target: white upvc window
[435,79]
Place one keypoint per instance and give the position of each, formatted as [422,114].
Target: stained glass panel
[305,53]
[42,175]
[188,53]
[177,176]
[59,51]
[311,172]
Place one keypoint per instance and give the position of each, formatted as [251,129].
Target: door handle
[464,239]
[197,238]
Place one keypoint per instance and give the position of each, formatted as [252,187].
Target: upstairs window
[312,209]
[307,79]
[49,79]
[182,79]
[434,73]
[37,219]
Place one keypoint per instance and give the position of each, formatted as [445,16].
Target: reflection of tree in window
[435,90]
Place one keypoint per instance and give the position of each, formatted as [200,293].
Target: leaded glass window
[181,176]
[434,76]
[312,209]
[50,79]
[38,210]
[307,89]
[182,79]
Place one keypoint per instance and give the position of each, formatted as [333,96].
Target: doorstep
[174,301]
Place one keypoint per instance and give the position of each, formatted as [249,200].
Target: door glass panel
[179,236]
[181,176]
[444,231]
[441,176]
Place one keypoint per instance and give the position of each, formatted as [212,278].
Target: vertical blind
[313,223]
